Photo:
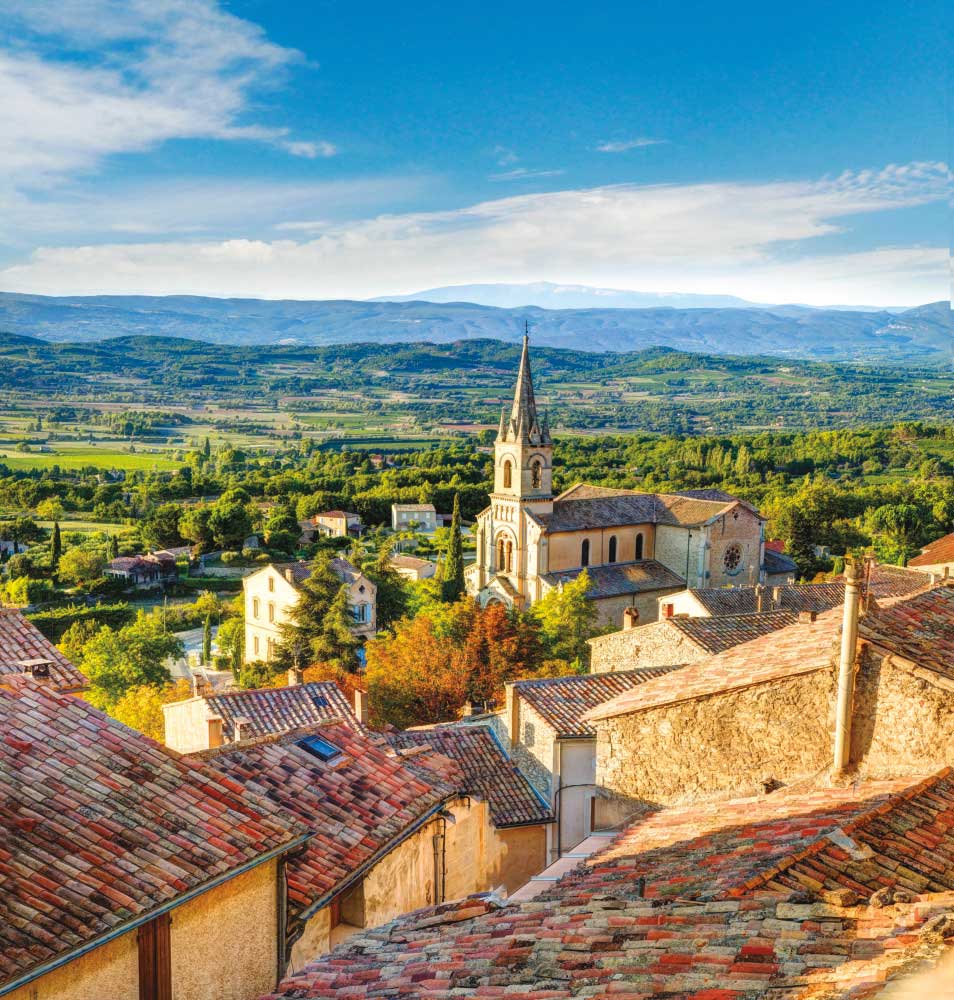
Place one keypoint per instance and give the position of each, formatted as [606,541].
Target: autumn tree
[141,706]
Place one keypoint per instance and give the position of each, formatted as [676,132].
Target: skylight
[319,748]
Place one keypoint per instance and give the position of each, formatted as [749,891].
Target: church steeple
[524,425]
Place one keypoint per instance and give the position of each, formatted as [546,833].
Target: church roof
[621,578]
[524,424]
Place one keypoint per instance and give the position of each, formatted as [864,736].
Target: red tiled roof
[895,581]
[689,904]
[799,649]
[356,804]
[100,826]
[276,710]
[939,551]
[717,634]
[720,601]
[919,628]
[486,771]
[563,702]
[21,641]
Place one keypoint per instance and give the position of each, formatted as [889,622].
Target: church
[636,547]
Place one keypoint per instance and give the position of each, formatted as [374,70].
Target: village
[746,793]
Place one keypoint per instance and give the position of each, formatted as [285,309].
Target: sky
[278,149]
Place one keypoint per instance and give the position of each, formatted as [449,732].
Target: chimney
[760,598]
[469,709]
[361,706]
[243,728]
[776,597]
[38,669]
[807,617]
[846,667]
[215,732]
[513,714]
[295,676]
[630,618]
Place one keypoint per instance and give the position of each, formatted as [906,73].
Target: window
[255,644]
[536,474]
[639,545]
[509,557]
[255,607]
[271,584]
[501,554]
[507,474]
[155,959]
[271,611]
[269,648]
[585,552]
[319,748]
[732,559]
[361,613]
[612,549]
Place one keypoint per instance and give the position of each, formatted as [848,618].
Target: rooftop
[939,551]
[100,826]
[715,635]
[791,597]
[563,702]
[812,892]
[22,643]
[622,578]
[277,710]
[486,771]
[356,803]
[919,628]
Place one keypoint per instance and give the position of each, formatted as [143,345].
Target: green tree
[56,546]
[114,546]
[207,449]
[161,529]
[898,528]
[81,566]
[207,640]
[393,594]
[231,642]
[567,618]
[194,526]
[452,579]
[229,521]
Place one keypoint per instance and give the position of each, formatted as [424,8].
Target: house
[388,837]
[827,892]
[938,557]
[337,524]
[212,720]
[681,640]
[778,568]
[129,872]
[416,516]
[764,711]
[26,652]
[271,593]
[519,814]
[556,749]
[10,547]
[634,546]
[413,568]
[143,572]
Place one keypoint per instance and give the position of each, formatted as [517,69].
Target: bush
[54,622]
[228,558]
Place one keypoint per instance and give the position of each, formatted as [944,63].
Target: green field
[82,457]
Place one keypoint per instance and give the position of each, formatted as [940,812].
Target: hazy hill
[922,334]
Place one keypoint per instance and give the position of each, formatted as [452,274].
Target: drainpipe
[846,667]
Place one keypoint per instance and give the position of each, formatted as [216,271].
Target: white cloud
[505,156]
[740,238]
[523,174]
[90,78]
[625,145]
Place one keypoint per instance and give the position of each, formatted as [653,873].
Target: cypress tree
[452,580]
[56,546]
[207,449]
[114,547]
[207,640]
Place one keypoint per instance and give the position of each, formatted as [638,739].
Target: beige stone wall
[740,526]
[683,602]
[225,942]
[532,745]
[268,599]
[671,550]
[315,941]
[715,746]
[565,547]
[610,609]
[112,971]
[521,854]
[187,725]
[656,645]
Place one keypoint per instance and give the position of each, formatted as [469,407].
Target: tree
[567,618]
[161,529]
[141,707]
[411,680]
[898,528]
[50,509]
[81,566]
[207,449]
[194,526]
[115,661]
[114,546]
[231,642]
[392,596]
[229,521]
[318,629]
[207,641]
[56,546]
[19,564]
[452,579]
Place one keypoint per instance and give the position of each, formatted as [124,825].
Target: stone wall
[611,609]
[532,746]
[740,527]
[521,854]
[715,746]
[658,644]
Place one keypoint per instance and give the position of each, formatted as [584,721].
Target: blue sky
[348,150]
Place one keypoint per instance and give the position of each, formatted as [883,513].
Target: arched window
[501,550]
[509,557]
[536,474]
[585,553]
[639,545]
[507,474]
[612,549]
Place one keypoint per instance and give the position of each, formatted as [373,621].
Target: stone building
[337,523]
[271,593]
[419,516]
[634,546]
[412,567]
[213,720]
[127,871]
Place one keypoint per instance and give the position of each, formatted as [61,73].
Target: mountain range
[921,334]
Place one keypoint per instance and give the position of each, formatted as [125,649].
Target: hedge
[54,622]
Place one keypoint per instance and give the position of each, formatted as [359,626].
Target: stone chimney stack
[243,728]
[216,738]
[807,617]
[295,676]
[846,667]
[630,618]
[776,598]
[760,598]
[361,706]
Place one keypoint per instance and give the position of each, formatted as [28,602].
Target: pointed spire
[524,422]
[502,431]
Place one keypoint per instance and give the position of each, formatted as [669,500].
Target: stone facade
[655,645]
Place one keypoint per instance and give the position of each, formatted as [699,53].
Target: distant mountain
[548,295]
[922,334]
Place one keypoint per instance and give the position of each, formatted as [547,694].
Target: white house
[421,516]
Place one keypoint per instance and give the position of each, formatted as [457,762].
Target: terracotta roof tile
[100,825]
[486,771]
[717,634]
[356,804]
[791,597]
[21,642]
[686,904]
[564,701]
[919,628]
[622,578]
[939,551]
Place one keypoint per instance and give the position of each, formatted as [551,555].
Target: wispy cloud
[505,156]
[719,237]
[625,145]
[524,174]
